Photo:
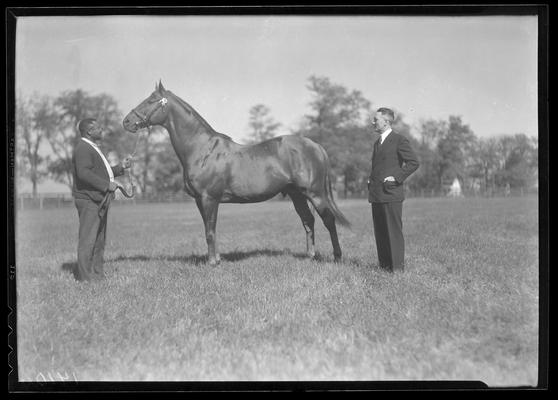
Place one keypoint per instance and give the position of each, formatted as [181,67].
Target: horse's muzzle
[133,126]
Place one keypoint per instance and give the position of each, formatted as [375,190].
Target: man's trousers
[91,241]
[388,231]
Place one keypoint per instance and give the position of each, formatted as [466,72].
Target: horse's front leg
[208,208]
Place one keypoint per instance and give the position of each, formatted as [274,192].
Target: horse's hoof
[337,259]
[214,263]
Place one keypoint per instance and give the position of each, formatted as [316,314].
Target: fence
[445,192]
[57,200]
[44,200]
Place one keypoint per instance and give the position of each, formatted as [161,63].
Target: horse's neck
[189,135]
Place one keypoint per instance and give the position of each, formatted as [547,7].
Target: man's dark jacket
[91,178]
[396,158]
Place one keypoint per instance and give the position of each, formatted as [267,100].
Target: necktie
[375,150]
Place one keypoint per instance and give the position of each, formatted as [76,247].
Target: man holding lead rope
[93,188]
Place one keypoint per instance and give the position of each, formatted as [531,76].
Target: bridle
[144,122]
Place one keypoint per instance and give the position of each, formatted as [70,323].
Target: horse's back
[298,140]
[271,164]
[307,149]
[297,146]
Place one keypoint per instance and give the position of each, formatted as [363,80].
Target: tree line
[338,119]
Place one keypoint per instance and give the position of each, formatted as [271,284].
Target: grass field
[466,308]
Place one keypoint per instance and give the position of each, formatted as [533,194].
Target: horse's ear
[161,87]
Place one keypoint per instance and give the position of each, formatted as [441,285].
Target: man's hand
[112,186]
[127,162]
[389,179]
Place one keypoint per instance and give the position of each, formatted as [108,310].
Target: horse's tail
[329,194]
[331,202]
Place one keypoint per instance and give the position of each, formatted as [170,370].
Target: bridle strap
[146,119]
[146,122]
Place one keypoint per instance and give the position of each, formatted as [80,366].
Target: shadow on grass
[364,265]
[230,256]
[233,256]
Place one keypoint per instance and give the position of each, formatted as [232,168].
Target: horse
[218,170]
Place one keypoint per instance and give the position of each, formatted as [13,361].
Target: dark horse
[218,170]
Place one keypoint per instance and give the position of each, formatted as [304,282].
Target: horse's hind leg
[208,209]
[301,206]
[328,219]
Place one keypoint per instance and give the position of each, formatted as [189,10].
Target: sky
[481,68]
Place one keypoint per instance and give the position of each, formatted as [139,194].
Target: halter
[145,120]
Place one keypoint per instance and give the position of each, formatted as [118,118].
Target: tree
[400,126]
[262,125]
[518,161]
[357,163]
[454,149]
[149,147]
[338,123]
[485,167]
[33,122]
[349,152]
[431,131]
[450,149]
[446,151]
[428,176]
[334,107]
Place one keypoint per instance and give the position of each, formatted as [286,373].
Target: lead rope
[108,196]
[129,172]
[162,103]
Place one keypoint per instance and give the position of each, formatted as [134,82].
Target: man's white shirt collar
[384,135]
[107,165]
[90,142]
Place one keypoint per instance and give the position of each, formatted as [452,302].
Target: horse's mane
[191,110]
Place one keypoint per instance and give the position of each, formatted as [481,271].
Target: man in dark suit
[93,180]
[393,160]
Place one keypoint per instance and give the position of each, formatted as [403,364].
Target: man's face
[379,123]
[95,131]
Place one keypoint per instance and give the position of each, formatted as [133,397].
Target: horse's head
[151,111]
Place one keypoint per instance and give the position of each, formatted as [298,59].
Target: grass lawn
[466,308]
